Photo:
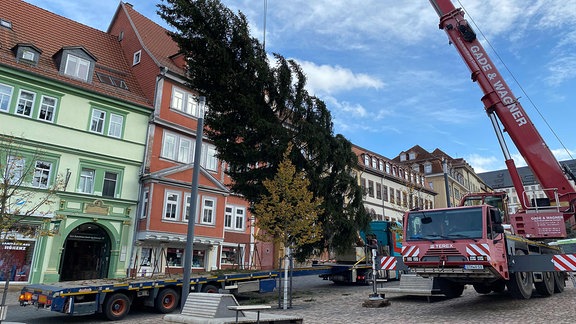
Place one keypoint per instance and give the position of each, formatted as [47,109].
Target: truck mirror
[496,216]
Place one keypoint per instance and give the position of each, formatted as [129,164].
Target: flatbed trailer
[114,297]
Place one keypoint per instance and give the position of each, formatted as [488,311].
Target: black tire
[116,306]
[482,288]
[499,286]
[559,282]
[210,289]
[521,283]
[167,301]
[546,286]
[451,289]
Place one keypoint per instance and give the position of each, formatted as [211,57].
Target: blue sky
[389,77]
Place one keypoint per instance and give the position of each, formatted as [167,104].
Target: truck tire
[116,306]
[559,282]
[520,284]
[482,288]
[546,286]
[210,289]
[450,288]
[166,301]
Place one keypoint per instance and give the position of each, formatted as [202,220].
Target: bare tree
[27,192]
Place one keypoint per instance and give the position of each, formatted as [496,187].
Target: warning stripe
[388,263]
[564,262]
[409,251]
[478,249]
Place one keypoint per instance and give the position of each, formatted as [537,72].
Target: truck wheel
[116,306]
[546,286]
[211,289]
[520,283]
[482,288]
[166,301]
[450,288]
[559,282]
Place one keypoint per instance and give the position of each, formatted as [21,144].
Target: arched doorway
[86,253]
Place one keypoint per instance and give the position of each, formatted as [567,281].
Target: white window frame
[186,207]
[86,183]
[98,123]
[175,203]
[6,92]
[169,146]
[115,125]
[24,103]
[239,220]
[184,101]
[15,169]
[209,160]
[228,217]
[41,172]
[77,67]
[177,148]
[185,150]
[235,218]
[48,109]
[137,57]
[208,215]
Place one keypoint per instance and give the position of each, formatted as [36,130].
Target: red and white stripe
[388,263]
[478,249]
[410,251]
[564,262]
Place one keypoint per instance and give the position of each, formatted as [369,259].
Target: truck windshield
[457,223]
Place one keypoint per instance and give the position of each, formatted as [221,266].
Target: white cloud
[485,163]
[326,79]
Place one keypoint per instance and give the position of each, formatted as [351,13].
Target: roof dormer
[27,53]
[75,62]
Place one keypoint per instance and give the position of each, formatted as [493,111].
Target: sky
[390,78]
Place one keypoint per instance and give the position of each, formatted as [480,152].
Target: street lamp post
[188,255]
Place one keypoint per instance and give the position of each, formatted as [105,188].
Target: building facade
[450,177]
[223,227]
[391,189]
[67,94]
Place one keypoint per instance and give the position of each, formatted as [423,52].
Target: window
[77,67]
[208,209]
[15,169]
[371,188]
[86,184]
[110,180]
[380,165]
[47,108]
[109,123]
[234,217]
[137,57]
[42,172]
[363,186]
[5,97]
[25,103]
[398,197]
[366,159]
[174,257]
[232,255]
[28,55]
[209,160]
[97,123]
[177,148]
[392,200]
[187,207]
[171,203]
[185,102]
[115,127]
[378,191]
[145,199]
[385,193]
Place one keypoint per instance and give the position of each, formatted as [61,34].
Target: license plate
[473,267]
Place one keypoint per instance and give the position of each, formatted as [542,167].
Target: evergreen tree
[256,108]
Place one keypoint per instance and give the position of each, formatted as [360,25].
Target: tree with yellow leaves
[288,214]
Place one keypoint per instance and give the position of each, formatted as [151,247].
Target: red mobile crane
[469,244]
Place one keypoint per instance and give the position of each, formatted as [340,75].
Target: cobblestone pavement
[322,302]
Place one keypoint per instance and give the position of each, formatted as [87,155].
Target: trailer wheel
[546,286]
[559,282]
[166,301]
[211,289]
[116,306]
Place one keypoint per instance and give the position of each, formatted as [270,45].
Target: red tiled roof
[50,32]
[155,38]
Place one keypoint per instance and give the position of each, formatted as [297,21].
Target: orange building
[223,236]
